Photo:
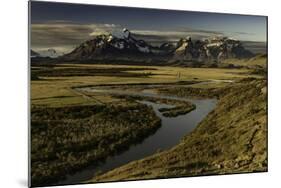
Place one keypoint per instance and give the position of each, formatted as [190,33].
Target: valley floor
[69,127]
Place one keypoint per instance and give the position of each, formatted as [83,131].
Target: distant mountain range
[49,53]
[126,47]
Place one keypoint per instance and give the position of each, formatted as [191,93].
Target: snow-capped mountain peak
[121,44]
[126,33]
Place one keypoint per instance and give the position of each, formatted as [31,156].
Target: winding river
[169,134]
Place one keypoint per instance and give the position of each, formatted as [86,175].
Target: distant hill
[33,53]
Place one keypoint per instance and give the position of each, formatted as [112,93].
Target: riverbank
[75,136]
[172,128]
[231,139]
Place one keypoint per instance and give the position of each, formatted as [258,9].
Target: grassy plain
[57,90]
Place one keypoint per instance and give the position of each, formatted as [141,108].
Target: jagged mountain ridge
[214,49]
[110,47]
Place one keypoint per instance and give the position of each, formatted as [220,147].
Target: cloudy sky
[64,26]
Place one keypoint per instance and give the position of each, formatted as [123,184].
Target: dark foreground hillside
[231,139]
